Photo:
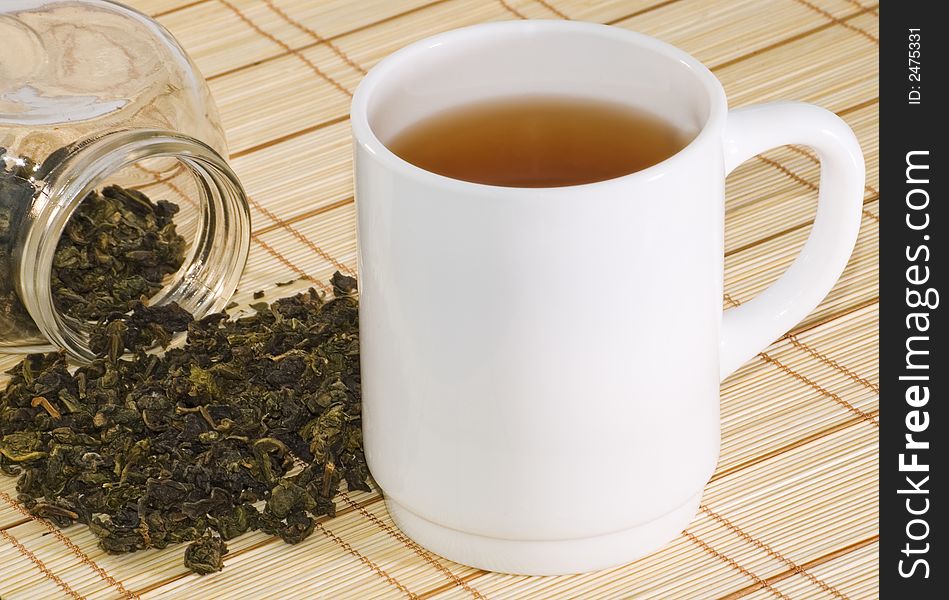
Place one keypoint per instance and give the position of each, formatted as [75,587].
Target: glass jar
[94,94]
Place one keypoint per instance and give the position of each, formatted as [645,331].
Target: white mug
[541,366]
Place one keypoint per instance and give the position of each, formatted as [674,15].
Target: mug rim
[365,136]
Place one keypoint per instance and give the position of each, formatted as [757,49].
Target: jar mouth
[219,246]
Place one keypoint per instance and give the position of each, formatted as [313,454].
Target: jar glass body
[95,94]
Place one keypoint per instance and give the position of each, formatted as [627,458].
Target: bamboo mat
[791,511]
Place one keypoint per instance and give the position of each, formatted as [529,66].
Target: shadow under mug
[541,366]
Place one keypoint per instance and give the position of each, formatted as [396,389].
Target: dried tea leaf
[206,554]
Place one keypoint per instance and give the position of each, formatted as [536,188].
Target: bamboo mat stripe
[790,512]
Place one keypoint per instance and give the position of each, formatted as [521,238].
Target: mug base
[545,557]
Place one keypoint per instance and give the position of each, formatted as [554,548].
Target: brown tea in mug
[538,141]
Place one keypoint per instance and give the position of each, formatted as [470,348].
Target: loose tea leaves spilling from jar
[252,424]
[116,250]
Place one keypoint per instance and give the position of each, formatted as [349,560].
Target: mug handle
[751,327]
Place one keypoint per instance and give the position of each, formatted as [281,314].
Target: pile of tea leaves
[251,424]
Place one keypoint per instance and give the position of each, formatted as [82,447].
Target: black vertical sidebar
[914,366]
